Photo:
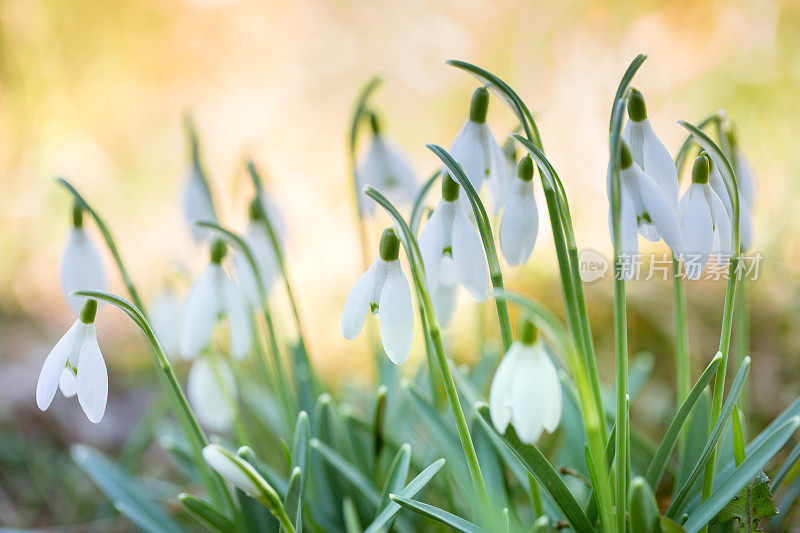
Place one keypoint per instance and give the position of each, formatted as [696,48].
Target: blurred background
[95,92]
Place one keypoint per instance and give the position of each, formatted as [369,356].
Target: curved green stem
[419,202]
[418,275]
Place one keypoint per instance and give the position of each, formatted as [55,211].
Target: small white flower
[478,153]
[386,169]
[526,391]
[76,365]
[81,266]
[745,218]
[642,202]
[383,289]
[452,252]
[257,238]
[232,468]
[164,313]
[704,221]
[520,222]
[211,390]
[213,294]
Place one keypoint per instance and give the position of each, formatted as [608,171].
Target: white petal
[658,163]
[386,169]
[358,302]
[92,378]
[197,206]
[633,135]
[520,224]
[500,392]
[396,315]
[629,248]
[469,257]
[81,268]
[698,230]
[226,467]
[239,318]
[549,384]
[68,383]
[652,200]
[470,151]
[528,398]
[212,393]
[722,224]
[54,365]
[500,178]
[164,315]
[717,183]
[201,311]
[264,254]
[247,280]
[444,302]
[746,179]
[434,239]
[745,225]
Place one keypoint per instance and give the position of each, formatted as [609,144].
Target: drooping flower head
[264,254]
[452,253]
[81,266]
[76,366]
[386,169]
[211,390]
[383,290]
[650,154]
[526,391]
[520,222]
[477,151]
[197,203]
[212,296]
[704,221]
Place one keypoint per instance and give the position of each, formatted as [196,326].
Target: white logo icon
[591,265]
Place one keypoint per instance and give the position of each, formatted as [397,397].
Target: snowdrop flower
[197,203]
[704,221]
[452,253]
[257,238]
[383,289]
[745,220]
[213,294]
[520,221]
[81,266]
[744,172]
[232,468]
[165,312]
[643,202]
[211,390]
[476,149]
[651,155]
[386,169]
[525,390]
[75,365]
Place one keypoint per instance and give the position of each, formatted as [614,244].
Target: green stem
[418,275]
[683,373]
[742,337]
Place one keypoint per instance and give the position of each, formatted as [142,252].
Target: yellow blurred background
[95,91]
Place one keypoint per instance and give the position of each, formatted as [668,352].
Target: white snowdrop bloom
[452,253]
[164,314]
[387,169]
[211,390]
[525,389]
[520,222]
[196,195]
[232,468]
[81,266]
[211,295]
[478,153]
[76,366]
[642,201]
[257,238]
[704,221]
[650,154]
[744,171]
[383,289]
[745,218]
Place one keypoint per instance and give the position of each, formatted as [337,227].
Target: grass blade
[440,515]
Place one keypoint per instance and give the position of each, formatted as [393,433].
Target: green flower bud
[525,168]
[450,188]
[479,106]
[89,311]
[526,331]
[218,251]
[375,123]
[637,110]
[390,245]
[77,215]
[625,159]
[255,210]
[700,169]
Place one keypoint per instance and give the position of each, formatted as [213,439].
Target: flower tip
[479,106]
[89,312]
[525,168]
[701,168]
[637,109]
[390,245]
[625,157]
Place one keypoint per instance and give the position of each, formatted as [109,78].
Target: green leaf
[378,418]
[643,508]
[668,526]
[726,490]
[409,491]
[659,462]
[302,433]
[124,491]
[753,503]
[352,523]
[786,467]
[293,495]
[538,465]
[348,471]
[397,474]
[206,513]
[625,82]
[455,522]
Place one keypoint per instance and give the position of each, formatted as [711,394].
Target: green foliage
[753,503]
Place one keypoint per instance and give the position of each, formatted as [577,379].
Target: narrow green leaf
[741,476]
[348,471]
[538,465]
[352,523]
[206,513]
[292,501]
[643,508]
[140,519]
[378,418]
[409,491]
[659,462]
[397,474]
[785,468]
[429,511]
[302,434]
